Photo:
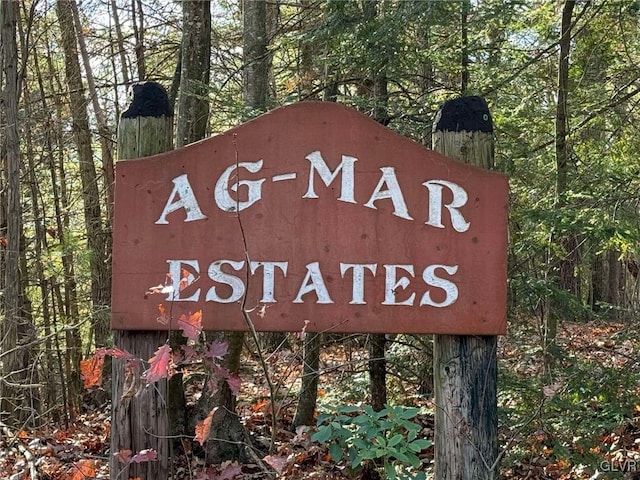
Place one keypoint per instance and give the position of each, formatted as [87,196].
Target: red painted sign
[311,216]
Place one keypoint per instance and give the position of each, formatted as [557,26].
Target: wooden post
[465,367]
[139,411]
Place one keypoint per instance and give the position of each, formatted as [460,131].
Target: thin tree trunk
[465,8]
[566,266]
[104,132]
[69,306]
[120,42]
[378,341]
[96,237]
[39,247]
[138,35]
[17,390]
[193,103]
[307,399]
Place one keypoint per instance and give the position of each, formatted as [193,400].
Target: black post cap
[150,99]
[464,113]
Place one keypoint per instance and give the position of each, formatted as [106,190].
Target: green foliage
[388,438]
[567,416]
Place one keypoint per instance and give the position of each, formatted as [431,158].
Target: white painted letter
[357,297]
[221,194]
[435,204]
[327,176]
[393,192]
[181,196]
[175,270]
[313,282]
[268,275]
[450,288]
[392,283]
[216,274]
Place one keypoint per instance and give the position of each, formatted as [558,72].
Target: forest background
[562,80]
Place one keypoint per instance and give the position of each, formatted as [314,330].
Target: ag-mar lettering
[437,281]
[227,192]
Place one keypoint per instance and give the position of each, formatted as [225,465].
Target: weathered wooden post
[139,413]
[465,367]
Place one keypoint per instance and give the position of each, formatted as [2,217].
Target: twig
[26,453]
[251,326]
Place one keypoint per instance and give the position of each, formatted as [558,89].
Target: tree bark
[104,132]
[193,104]
[120,42]
[308,396]
[139,418]
[566,265]
[96,237]
[465,367]
[18,392]
[256,64]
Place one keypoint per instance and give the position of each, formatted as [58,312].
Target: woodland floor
[582,422]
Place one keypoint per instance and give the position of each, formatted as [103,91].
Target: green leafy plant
[388,438]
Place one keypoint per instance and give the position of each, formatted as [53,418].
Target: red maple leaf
[159,365]
[191,325]
[189,353]
[123,456]
[147,455]
[163,317]
[216,349]
[115,352]
[203,428]
[234,383]
[91,370]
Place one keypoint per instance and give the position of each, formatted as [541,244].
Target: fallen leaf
[230,471]
[159,365]
[277,462]
[84,470]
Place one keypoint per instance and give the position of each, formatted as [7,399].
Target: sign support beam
[139,417]
[465,367]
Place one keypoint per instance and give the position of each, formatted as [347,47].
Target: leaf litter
[82,449]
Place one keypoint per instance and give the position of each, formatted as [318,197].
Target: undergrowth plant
[388,438]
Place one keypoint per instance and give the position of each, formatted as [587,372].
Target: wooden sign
[312,216]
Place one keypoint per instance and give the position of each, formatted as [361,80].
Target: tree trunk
[465,367]
[138,35]
[18,392]
[377,341]
[256,64]
[465,9]
[193,118]
[139,418]
[96,237]
[567,265]
[120,42]
[308,396]
[193,104]
[104,132]
[68,307]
